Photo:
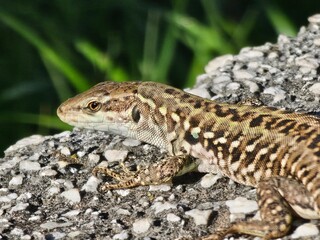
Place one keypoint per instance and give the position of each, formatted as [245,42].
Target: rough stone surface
[44,196]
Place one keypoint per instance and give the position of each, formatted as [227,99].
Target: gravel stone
[200,217]
[242,205]
[16,180]
[141,225]
[115,155]
[29,166]
[306,230]
[72,195]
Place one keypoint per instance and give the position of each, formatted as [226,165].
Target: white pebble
[115,155]
[233,86]
[65,151]
[242,205]
[32,140]
[161,187]
[93,158]
[129,142]
[306,230]
[53,225]
[17,231]
[29,166]
[315,88]
[16,180]
[122,211]
[307,62]
[200,217]
[243,74]
[8,198]
[91,185]
[48,173]
[19,207]
[160,207]
[121,236]
[218,62]
[173,218]
[141,225]
[72,195]
[209,180]
[71,214]
[314,19]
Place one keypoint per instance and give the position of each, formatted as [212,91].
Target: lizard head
[108,106]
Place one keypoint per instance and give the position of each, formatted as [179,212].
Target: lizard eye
[135,114]
[94,106]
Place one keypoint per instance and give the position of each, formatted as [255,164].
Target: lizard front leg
[158,173]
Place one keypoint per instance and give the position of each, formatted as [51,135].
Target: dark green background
[52,49]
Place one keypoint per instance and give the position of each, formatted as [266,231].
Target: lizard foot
[155,174]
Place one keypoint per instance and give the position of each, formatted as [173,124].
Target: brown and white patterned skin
[277,152]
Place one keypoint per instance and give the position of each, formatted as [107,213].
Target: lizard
[273,150]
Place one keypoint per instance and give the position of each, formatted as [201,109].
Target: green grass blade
[75,77]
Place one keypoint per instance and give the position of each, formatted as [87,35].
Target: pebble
[314,19]
[65,151]
[71,214]
[200,91]
[115,155]
[72,195]
[16,180]
[17,231]
[93,158]
[200,217]
[141,225]
[218,62]
[173,218]
[53,225]
[19,207]
[92,184]
[32,140]
[129,142]
[209,180]
[233,86]
[277,92]
[122,211]
[27,165]
[315,88]
[242,205]
[160,207]
[243,74]
[253,87]
[161,187]
[307,62]
[305,230]
[248,54]
[74,234]
[8,198]
[120,236]
[48,173]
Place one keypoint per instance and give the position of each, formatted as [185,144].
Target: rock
[306,230]
[115,155]
[142,225]
[29,166]
[160,207]
[242,205]
[200,217]
[72,195]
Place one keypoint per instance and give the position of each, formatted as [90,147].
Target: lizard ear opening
[135,114]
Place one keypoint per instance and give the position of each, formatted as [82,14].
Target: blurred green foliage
[50,50]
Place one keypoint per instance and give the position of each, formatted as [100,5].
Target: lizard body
[276,151]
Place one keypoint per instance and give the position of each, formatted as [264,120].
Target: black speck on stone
[103,215]
[157,223]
